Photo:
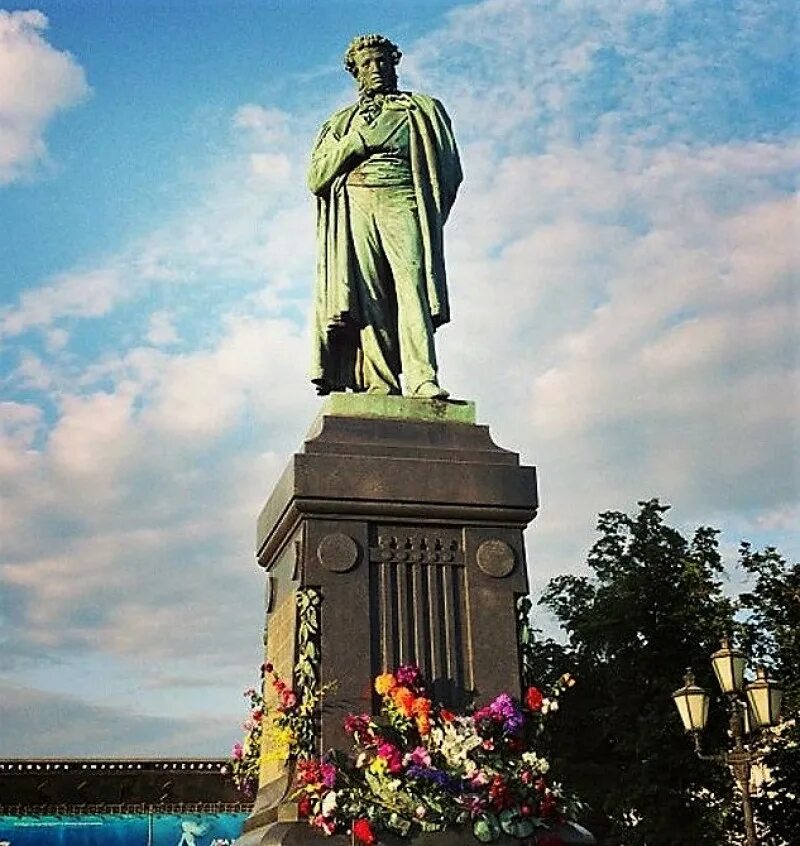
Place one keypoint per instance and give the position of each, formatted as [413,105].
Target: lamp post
[751,706]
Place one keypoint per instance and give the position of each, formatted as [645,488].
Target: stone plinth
[294,834]
[408,520]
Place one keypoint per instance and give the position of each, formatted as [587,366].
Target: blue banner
[122,830]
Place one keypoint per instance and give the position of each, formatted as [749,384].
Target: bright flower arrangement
[286,728]
[289,728]
[419,767]
[244,763]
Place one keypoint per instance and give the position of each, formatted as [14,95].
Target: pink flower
[237,752]
[419,757]
[474,804]
[479,779]
[391,754]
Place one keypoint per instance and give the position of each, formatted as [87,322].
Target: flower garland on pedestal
[286,729]
[416,767]
[419,768]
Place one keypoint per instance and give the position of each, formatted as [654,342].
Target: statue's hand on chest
[382,134]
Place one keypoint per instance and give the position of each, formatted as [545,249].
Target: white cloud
[271,167]
[161,330]
[267,127]
[36,82]
[91,294]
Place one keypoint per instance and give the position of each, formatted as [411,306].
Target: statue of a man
[385,172]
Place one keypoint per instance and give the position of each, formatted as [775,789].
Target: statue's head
[372,60]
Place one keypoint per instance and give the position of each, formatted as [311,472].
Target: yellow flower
[277,743]
[378,766]
[385,683]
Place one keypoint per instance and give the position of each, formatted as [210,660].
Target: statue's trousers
[397,334]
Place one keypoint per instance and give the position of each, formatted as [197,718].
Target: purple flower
[435,776]
[408,675]
[328,774]
[502,709]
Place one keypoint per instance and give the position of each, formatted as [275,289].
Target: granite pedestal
[408,520]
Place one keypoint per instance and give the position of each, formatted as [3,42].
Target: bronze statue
[385,172]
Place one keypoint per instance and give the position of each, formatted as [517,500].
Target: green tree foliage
[651,605]
[772,636]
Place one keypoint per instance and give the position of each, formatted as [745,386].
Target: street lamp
[764,698]
[728,667]
[692,704]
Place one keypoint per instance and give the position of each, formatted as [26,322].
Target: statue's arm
[332,156]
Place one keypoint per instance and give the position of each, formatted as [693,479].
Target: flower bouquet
[282,732]
[418,767]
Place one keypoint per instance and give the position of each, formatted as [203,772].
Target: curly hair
[372,40]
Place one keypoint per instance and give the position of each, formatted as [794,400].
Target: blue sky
[623,259]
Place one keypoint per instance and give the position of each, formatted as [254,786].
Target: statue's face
[375,71]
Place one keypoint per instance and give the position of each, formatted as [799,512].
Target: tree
[772,636]
[652,605]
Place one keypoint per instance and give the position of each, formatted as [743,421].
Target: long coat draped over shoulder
[436,173]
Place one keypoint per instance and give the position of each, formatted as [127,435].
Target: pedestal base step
[301,834]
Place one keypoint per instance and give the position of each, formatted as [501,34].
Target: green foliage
[651,605]
[772,635]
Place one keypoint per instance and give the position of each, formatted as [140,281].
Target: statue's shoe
[430,390]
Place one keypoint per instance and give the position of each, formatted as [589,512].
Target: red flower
[499,794]
[447,716]
[534,698]
[304,806]
[548,806]
[363,832]
[309,772]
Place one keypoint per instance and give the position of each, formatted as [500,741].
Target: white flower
[328,804]
[458,740]
[535,762]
